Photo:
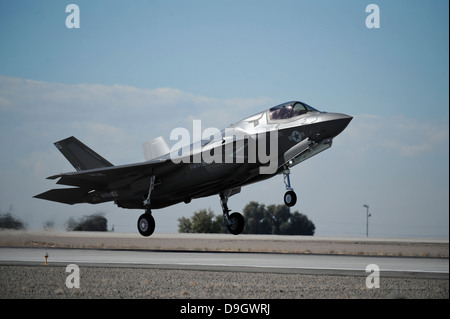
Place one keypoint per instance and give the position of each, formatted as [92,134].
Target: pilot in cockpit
[289,110]
[284,112]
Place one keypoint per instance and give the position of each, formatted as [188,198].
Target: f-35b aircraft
[220,164]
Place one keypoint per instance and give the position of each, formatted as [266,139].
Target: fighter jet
[252,150]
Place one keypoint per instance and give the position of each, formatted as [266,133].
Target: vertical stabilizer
[79,155]
[155,148]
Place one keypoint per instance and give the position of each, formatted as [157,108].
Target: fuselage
[254,149]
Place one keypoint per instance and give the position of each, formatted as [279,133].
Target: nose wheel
[290,198]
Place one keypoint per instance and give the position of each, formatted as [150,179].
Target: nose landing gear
[290,198]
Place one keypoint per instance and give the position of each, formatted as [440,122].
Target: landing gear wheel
[290,198]
[236,223]
[146,224]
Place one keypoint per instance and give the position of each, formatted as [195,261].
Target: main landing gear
[290,198]
[146,222]
[234,222]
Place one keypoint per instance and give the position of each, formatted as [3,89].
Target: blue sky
[136,70]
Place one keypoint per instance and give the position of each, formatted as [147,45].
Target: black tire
[237,223]
[146,224]
[290,198]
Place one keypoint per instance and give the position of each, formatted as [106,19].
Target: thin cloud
[113,119]
[400,136]
[41,100]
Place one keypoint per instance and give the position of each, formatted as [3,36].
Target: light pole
[367,219]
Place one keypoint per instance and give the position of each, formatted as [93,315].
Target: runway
[228,243]
[137,273]
[244,262]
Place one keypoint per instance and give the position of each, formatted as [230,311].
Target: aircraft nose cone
[338,123]
[344,119]
[331,125]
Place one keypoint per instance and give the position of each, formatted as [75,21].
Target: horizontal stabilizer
[79,155]
[64,195]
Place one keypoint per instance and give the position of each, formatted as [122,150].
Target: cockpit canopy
[289,109]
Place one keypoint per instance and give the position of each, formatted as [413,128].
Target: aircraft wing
[104,176]
[101,178]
